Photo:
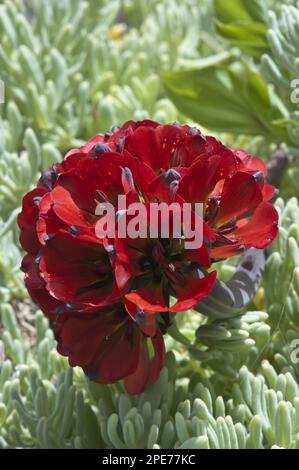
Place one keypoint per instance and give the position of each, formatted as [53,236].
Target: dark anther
[55,170]
[59,310]
[208,243]
[62,308]
[36,200]
[145,264]
[240,248]
[140,317]
[74,230]
[193,131]
[99,149]
[212,208]
[69,306]
[171,175]
[127,178]
[37,260]
[176,124]
[114,129]
[48,237]
[173,188]
[120,144]
[110,249]
[259,176]
[48,179]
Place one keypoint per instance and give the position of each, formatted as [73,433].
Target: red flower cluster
[109,299]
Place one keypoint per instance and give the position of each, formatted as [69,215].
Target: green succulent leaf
[244,23]
[238,10]
[228,99]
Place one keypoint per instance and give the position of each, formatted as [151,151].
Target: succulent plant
[71,69]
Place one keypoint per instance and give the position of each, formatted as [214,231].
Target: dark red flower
[109,346]
[154,268]
[231,184]
[109,296]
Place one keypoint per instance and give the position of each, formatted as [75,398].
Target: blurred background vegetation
[74,68]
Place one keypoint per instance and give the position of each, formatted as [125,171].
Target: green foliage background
[73,68]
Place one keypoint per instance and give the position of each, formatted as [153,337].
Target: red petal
[261,229]
[149,299]
[27,221]
[137,382]
[65,208]
[226,251]
[268,191]
[97,139]
[241,193]
[250,163]
[75,272]
[118,357]
[37,289]
[144,374]
[204,174]
[155,146]
[81,336]
[159,358]
[71,160]
[199,180]
[192,292]
[145,320]
[194,146]
[103,343]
